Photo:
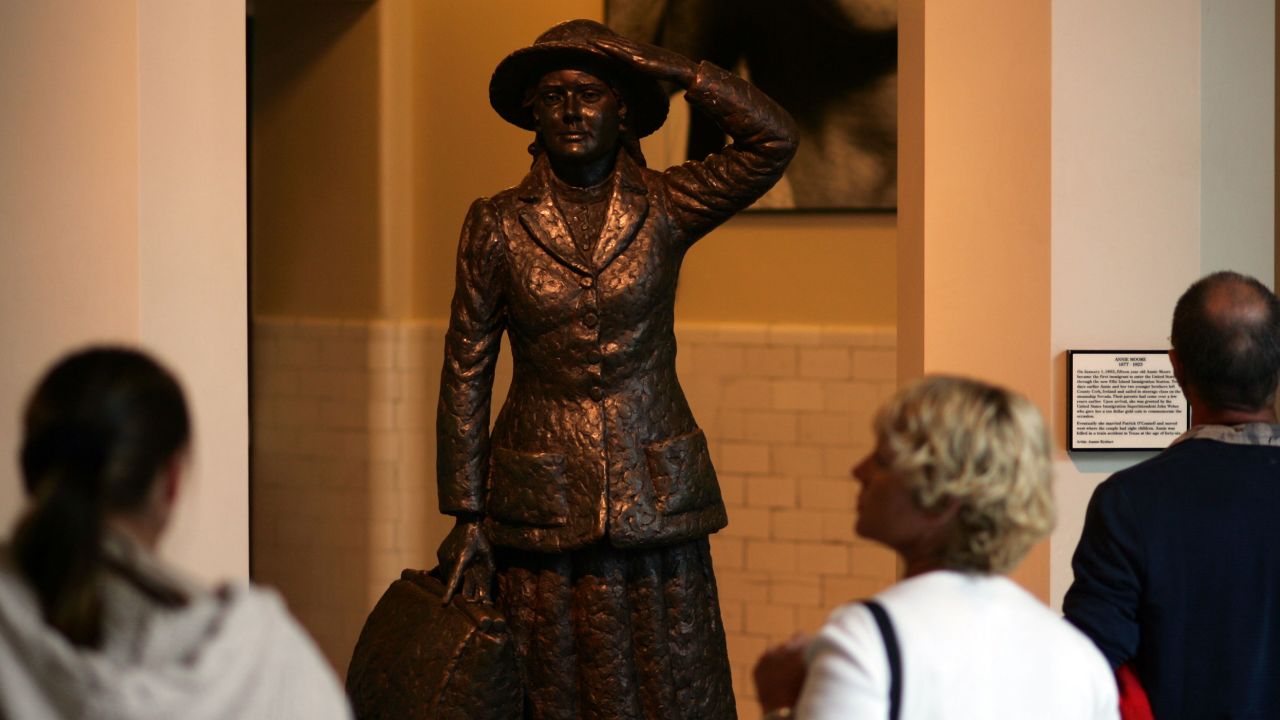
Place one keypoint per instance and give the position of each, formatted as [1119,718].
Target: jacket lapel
[543,221]
[628,207]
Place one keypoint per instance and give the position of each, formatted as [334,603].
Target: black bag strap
[895,656]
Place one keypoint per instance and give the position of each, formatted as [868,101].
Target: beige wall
[316,190]
[974,251]
[192,286]
[1237,135]
[794,268]
[122,214]
[1125,194]
[68,194]
[1141,201]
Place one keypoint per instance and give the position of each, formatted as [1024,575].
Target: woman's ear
[148,523]
[945,514]
[171,478]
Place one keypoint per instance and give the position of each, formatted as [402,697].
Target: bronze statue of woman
[585,512]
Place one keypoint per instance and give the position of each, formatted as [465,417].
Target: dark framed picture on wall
[833,64]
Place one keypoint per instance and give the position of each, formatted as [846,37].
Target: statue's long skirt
[609,634]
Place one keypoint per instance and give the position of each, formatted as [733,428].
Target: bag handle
[891,650]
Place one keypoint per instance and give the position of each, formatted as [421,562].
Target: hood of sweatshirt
[230,653]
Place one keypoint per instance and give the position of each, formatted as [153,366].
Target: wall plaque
[1123,400]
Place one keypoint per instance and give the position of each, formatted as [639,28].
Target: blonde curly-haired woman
[959,486]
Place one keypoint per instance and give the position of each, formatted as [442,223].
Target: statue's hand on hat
[651,60]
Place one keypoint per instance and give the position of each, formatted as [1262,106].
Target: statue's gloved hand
[652,60]
[466,560]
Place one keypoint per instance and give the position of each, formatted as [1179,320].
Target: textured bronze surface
[595,485]
[636,635]
[419,658]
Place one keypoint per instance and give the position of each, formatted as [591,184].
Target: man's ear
[1177,366]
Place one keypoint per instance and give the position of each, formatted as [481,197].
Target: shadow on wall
[286,59]
[319,529]
[315,533]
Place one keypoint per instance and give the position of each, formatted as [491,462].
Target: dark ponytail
[98,430]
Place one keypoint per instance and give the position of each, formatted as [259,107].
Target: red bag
[1134,704]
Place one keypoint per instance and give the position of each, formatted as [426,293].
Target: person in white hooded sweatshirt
[92,623]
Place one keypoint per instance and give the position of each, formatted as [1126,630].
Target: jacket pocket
[683,479]
[527,488]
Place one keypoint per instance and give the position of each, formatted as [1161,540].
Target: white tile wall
[344,496]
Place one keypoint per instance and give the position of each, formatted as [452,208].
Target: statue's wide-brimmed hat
[569,45]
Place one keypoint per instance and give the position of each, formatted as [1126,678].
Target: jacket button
[590,320]
[594,357]
[587,282]
[596,392]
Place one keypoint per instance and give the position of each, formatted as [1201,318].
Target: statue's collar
[541,218]
[538,182]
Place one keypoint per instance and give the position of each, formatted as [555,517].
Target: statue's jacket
[595,439]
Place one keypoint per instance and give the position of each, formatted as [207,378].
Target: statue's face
[578,116]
